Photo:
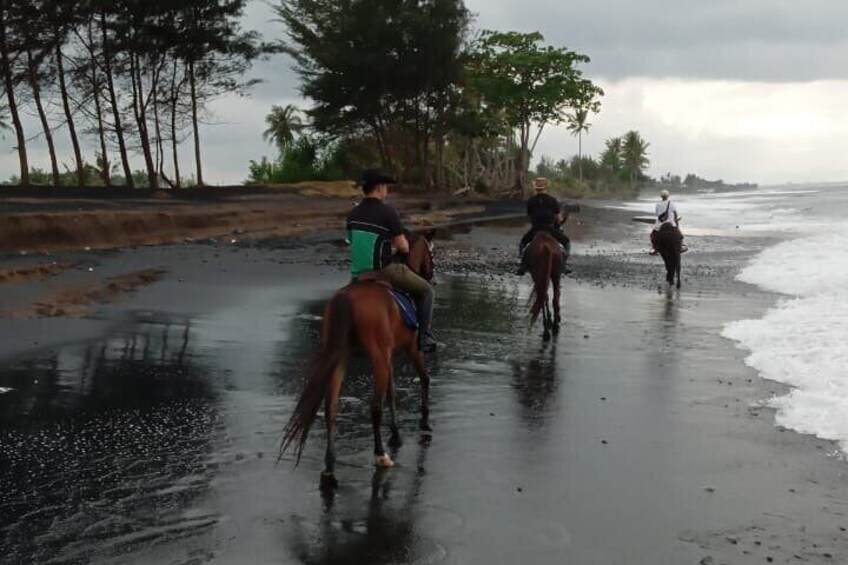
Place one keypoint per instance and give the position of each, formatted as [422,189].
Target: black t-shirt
[372,225]
[542,209]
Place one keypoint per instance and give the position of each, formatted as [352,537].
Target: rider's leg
[525,241]
[563,240]
[403,278]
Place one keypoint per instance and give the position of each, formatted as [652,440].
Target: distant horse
[361,314]
[545,263]
[669,244]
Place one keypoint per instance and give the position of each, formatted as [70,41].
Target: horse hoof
[328,481]
[383,462]
[395,440]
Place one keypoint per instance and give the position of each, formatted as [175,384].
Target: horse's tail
[541,273]
[335,347]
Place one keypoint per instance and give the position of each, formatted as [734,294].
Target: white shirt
[661,207]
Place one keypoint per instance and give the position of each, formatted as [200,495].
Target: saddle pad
[407,308]
[526,247]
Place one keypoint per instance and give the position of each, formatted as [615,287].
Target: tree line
[617,171]
[132,77]
[409,85]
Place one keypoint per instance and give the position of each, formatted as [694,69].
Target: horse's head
[420,257]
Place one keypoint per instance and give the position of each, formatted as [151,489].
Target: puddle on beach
[167,430]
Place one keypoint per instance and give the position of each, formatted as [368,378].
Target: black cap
[373,177]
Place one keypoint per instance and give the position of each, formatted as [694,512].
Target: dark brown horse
[545,263]
[669,245]
[362,314]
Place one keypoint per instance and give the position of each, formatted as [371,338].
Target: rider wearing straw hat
[545,214]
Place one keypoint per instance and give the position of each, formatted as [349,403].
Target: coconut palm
[577,124]
[611,157]
[284,123]
[635,155]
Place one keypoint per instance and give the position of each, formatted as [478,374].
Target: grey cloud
[757,40]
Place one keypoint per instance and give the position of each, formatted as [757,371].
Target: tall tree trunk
[139,109]
[580,154]
[160,154]
[193,83]
[105,166]
[440,160]
[175,149]
[42,115]
[9,81]
[175,100]
[113,98]
[69,118]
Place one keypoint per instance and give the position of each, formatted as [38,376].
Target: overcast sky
[744,90]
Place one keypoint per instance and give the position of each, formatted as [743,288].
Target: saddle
[405,302]
[526,247]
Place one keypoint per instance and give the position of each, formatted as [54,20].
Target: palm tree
[283,123]
[611,157]
[635,153]
[577,124]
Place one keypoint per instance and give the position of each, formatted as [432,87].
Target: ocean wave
[800,341]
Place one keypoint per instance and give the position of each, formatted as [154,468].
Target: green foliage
[528,84]
[388,70]
[609,176]
[634,152]
[304,160]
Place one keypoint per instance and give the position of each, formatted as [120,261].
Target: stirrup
[427,345]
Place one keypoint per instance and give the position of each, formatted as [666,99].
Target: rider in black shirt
[545,214]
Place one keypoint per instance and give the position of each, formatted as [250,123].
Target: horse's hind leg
[557,295]
[331,405]
[418,360]
[394,438]
[381,362]
[546,321]
[678,271]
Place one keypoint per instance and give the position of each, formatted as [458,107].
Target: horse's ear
[430,234]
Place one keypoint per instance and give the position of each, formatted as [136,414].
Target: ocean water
[802,341]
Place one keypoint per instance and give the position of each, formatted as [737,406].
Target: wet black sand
[147,431]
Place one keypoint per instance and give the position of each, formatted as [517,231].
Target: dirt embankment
[34,223]
[78,220]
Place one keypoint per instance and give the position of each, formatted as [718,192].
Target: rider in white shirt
[667,210]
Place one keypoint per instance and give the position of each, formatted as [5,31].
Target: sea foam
[801,341]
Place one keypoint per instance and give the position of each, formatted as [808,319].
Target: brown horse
[545,263]
[362,314]
[669,245]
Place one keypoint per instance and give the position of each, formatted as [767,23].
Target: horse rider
[374,228]
[545,215]
[666,213]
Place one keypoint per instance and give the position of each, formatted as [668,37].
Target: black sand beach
[144,428]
